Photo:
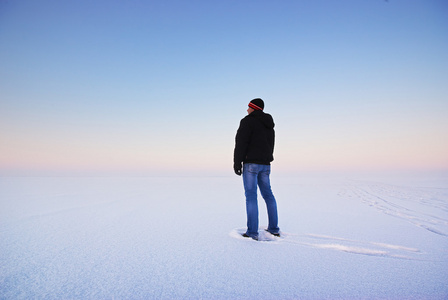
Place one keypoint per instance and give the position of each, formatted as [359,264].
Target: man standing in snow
[254,148]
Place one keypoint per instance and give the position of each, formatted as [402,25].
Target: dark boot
[247,236]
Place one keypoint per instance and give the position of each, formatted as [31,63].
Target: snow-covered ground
[178,238]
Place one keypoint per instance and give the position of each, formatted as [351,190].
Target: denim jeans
[258,175]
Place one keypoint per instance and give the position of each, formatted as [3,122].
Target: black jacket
[254,141]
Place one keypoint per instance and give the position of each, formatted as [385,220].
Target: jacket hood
[264,118]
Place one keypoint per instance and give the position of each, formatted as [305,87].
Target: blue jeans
[253,175]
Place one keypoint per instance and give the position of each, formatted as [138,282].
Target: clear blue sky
[160,86]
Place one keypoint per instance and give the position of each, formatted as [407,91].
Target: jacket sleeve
[242,140]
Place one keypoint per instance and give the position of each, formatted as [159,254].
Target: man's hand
[238,168]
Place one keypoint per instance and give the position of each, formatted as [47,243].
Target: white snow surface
[179,238]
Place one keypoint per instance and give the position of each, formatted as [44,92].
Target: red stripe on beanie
[256,107]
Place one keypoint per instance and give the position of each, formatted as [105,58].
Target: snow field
[178,238]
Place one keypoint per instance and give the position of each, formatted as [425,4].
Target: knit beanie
[256,104]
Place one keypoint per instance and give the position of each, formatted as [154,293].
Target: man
[254,147]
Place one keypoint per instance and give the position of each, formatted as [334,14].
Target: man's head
[255,104]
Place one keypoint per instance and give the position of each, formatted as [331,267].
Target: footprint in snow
[325,242]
